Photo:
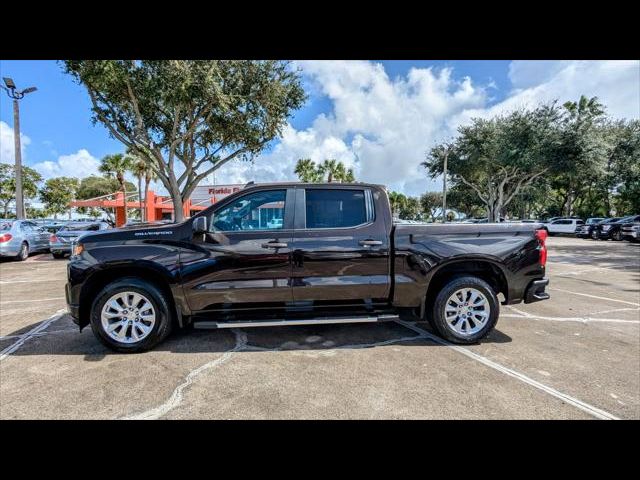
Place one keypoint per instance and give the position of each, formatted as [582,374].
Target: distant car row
[19,238]
[614,228]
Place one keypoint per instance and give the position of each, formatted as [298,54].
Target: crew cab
[563,225]
[336,257]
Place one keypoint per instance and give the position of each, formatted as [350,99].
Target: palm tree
[306,170]
[349,176]
[139,169]
[116,166]
[397,201]
[331,168]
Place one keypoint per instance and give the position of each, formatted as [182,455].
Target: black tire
[594,235]
[617,236]
[437,317]
[24,252]
[163,322]
[57,255]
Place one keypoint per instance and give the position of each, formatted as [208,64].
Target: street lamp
[16,95]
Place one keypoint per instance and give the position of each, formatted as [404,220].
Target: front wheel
[465,310]
[131,315]
[617,236]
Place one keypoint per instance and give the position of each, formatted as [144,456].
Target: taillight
[53,239]
[541,235]
[5,237]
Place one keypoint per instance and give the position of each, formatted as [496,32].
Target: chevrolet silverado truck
[301,254]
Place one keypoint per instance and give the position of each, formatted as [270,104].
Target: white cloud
[79,164]
[384,126]
[7,145]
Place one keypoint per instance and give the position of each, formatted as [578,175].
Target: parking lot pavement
[574,356]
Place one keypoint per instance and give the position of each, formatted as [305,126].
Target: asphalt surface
[575,356]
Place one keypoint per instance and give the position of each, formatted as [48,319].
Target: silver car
[19,238]
[61,243]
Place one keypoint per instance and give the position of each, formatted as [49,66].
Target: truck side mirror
[200,225]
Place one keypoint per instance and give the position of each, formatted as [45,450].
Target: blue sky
[357,112]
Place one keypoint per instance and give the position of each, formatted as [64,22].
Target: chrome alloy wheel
[128,317]
[467,311]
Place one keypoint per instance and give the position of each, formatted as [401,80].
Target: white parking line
[585,407]
[30,301]
[530,316]
[31,333]
[595,296]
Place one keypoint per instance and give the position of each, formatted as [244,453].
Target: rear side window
[335,208]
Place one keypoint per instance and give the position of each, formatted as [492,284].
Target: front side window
[263,210]
[335,208]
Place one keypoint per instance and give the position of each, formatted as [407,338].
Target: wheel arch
[98,280]
[487,270]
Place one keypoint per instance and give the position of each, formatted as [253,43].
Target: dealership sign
[208,194]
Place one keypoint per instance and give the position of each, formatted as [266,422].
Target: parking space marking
[530,316]
[241,345]
[176,397]
[33,300]
[595,296]
[31,333]
[585,407]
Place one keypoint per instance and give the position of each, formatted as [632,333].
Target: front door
[243,262]
[340,254]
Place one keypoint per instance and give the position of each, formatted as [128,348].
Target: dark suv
[613,230]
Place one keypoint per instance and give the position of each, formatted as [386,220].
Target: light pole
[16,95]
[444,185]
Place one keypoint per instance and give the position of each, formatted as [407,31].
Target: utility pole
[17,95]
[444,186]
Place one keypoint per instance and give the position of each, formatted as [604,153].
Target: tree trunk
[123,186]
[146,189]
[178,214]
[140,197]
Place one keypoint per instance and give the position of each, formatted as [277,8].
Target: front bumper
[536,291]
[74,309]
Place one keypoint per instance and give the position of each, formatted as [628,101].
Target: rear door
[340,252]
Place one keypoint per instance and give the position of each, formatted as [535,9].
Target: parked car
[337,258]
[584,231]
[631,231]
[613,230]
[19,238]
[563,225]
[61,243]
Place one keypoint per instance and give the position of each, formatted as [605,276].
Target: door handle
[369,243]
[275,245]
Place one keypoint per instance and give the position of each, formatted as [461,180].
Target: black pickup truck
[298,254]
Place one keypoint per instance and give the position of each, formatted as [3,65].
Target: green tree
[200,113]
[499,157]
[57,193]
[117,166]
[30,180]
[332,169]
[94,186]
[430,203]
[140,169]
[397,201]
[307,171]
[410,209]
[582,147]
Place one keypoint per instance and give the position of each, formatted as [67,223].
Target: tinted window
[262,210]
[562,222]
[335,208]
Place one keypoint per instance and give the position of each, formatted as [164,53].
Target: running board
[284,323]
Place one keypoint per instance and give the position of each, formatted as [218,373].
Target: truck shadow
[62,338]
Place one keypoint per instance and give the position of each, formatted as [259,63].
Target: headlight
[606,227]
[78,248]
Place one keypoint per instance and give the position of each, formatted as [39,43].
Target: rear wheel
[23,254]
[131,315]
[465,310]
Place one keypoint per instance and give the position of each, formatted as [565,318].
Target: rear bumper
[10,249]
[536,291]
[60,247]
